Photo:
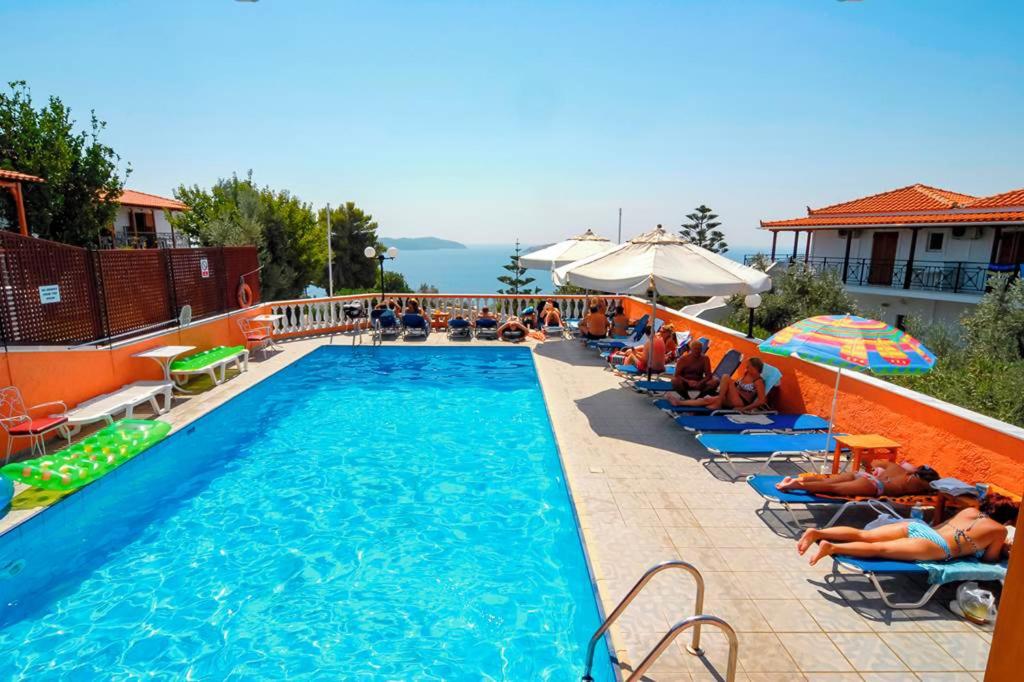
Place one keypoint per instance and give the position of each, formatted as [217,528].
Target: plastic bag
[975,604]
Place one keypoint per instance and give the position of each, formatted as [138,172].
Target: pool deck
[644,495]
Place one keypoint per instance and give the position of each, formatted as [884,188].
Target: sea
[475,269]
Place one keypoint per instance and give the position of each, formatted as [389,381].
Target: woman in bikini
[980,533]
[885,479]
[746,394]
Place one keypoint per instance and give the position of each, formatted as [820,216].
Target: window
[936,240]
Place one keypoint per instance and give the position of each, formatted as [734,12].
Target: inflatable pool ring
[244,295]
[90,458]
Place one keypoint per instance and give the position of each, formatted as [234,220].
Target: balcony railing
[957,277]
[126,237]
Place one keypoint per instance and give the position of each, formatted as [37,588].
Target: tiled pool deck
[644,495]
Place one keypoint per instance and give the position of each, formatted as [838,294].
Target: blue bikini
[920,529]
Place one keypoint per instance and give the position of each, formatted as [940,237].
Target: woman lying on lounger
[885,479]
[746,394]
[979,533]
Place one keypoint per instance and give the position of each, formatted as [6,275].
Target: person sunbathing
[528,317]
[885,479]
[746,394]
[693,372]
[637,356]
[595,325]
[485,314]
[550,316]
[620,322]
[668,335]
[980,533]
[513,326]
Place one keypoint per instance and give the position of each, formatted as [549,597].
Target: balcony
[955,277]
[126,237]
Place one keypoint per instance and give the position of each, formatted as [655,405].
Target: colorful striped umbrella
[851,342]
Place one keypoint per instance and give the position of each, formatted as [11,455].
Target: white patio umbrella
[565,252]
[663,263]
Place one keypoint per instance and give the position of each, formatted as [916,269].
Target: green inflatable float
[205,358]
[90,458]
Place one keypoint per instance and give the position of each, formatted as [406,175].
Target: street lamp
[752,301]
[390,254]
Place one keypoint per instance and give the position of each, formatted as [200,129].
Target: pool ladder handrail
[683,625]
[693,648]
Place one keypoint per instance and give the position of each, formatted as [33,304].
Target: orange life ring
[244,295]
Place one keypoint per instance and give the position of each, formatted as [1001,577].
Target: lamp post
[752,301]
[390,254]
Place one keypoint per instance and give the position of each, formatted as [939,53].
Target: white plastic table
[164,356]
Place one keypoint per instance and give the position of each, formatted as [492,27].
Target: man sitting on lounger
[980,533]
[693,372]
[637,356]
[746,394]
[511,326]
[620,323]
[595,325]
[886,479]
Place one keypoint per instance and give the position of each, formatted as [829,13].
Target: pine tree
[702,230]
[515,282]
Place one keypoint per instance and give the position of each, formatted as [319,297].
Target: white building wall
[828,243]
[122,219]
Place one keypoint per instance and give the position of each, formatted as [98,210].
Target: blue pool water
[377,514]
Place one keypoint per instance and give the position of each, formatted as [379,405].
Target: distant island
[420,243]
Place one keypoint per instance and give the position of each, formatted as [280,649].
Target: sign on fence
[49,293]
[204,268]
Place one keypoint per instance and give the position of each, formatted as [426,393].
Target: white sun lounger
[105,407]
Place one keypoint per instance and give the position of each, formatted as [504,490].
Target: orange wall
[77,375]
[953,445]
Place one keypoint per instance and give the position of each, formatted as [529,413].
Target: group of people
[516,327]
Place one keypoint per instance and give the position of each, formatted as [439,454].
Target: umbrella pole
[832,415]
[650,327]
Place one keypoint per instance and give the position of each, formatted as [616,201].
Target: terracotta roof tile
[913,198]
[18,177]
[898,219]
[131,197]
[1011,199]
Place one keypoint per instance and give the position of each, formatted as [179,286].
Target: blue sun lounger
[775,445]
[764,485]
[638,333]
[936,573]
[743,423]
[414,326]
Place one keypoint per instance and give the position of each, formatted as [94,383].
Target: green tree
[77,203]
[702,230]
[515,282]
[352,230]
[235,212]
[428,289]
[799,292]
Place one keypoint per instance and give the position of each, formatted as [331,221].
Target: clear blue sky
[488,121]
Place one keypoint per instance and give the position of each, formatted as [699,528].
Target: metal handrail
[694,648]
[679,628]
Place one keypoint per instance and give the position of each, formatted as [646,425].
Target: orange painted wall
[74,376]
[954,446]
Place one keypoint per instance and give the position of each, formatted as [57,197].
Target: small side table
[439,320]
[864,448]
[271,321]
[163,356]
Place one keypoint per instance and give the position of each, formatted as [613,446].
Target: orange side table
[864,447]
[439,320]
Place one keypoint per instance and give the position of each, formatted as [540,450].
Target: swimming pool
[389,513]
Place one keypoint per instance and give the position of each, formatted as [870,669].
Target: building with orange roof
[141,221]
[916,250]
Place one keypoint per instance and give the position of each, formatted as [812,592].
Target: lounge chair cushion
[206,358]
[36,426]
[766,422]
[766,443]
[764,485]
[938,572]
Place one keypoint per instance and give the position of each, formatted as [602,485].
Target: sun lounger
[774,445]
[764,485]
[459,329]
[485,328]
[213,363]
[743,423]
[935,573]
[638,332]
[384,324]
[105,407]
[414,326]
[725,368]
